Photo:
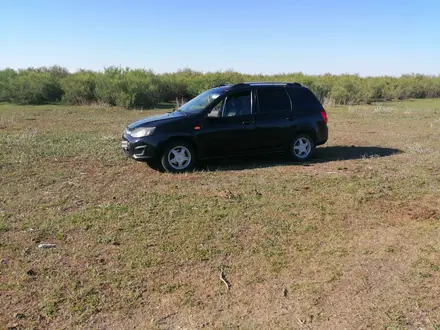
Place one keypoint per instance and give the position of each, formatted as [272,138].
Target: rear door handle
[290,118]
[247,122]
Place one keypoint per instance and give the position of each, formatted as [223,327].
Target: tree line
[141,88]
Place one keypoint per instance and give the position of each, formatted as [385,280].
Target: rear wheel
[178,157]
[301,148]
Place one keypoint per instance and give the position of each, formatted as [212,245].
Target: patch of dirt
[424,209]
[423,212]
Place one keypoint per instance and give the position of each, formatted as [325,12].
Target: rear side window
[273,99]
[303,100]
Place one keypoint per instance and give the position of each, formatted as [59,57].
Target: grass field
[348,241]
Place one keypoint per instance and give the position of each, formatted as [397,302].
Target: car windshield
[199,103]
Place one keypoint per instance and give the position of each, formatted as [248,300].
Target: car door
[232,131]
[275,123]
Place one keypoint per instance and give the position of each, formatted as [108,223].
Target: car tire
[301,148]
[178,157]
[155,164]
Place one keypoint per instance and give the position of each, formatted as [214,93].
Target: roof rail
[221,85]
[240,84]
[264,83]
[232,85]
[274,83]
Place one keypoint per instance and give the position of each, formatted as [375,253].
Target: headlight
[142,132]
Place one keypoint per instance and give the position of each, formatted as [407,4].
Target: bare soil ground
[350,240]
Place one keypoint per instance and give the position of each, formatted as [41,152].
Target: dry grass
[351,240]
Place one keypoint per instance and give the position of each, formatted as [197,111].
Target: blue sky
[368,37]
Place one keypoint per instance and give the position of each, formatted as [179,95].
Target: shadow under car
[321,155]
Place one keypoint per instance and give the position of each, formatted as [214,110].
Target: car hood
[158,119]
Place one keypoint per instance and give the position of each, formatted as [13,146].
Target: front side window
[236,104]
[200,102]
[273,99]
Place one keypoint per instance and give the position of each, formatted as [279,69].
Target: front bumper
[139,149]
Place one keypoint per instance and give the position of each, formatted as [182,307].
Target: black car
[229,120]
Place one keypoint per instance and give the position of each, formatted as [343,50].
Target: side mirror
[214,114]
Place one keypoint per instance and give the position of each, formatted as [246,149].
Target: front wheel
[155,164]
[301,148]
[178,157]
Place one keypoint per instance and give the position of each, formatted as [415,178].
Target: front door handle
[289,118]
[247,122]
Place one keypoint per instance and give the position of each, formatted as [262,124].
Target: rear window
[273,99]
[303,100]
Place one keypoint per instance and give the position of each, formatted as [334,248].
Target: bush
[32,86]
[79,87]
[140,88]
[7,78]
[109,86]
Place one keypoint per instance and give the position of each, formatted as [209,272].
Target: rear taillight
[324,115]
